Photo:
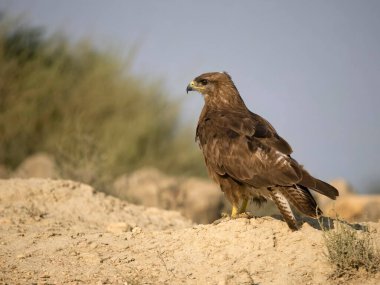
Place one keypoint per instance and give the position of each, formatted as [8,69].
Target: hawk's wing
[247,148]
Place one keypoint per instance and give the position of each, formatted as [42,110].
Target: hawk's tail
[318,185]
[301,198]
[284,207]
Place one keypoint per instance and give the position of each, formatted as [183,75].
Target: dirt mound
[77,203]
[200,200]
[41,165]
[197,199]
[62,232]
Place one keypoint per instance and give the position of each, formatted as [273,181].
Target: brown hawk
[247,158]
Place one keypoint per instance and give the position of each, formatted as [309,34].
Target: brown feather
[302,200]
[284,208]
[318,185]
[228,141]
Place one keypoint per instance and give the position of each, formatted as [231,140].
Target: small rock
[91,257]
[136,230]
[93,245]
[45,276]
[118,228]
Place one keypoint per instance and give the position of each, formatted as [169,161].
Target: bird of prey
[247,158]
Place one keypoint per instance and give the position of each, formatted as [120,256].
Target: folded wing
[248,149]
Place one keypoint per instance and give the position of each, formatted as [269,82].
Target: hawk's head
[217,89]
[209,83]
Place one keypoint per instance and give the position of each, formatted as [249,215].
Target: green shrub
[54,94]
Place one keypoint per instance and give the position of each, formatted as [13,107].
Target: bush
[350,250]
[54,94]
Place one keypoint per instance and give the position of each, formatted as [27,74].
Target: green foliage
[52,95]
[350,250]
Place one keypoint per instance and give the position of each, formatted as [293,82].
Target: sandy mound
[200,200]
[61,232]
[45,200]
[197,199]
[41,165]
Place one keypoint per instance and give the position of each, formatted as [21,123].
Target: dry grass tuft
[350,250]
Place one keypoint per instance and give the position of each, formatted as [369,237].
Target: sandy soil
[62,232]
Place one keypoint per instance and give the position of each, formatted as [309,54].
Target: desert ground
[64,232]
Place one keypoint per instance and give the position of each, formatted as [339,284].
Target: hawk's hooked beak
[190,87]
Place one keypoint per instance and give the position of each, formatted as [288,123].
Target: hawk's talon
[226,217]
[245,215]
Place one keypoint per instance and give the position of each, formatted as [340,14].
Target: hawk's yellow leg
[243,207]
[240,212]
[235,210]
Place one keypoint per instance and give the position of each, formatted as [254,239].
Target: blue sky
[312,68]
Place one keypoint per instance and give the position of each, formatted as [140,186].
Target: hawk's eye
[204,81]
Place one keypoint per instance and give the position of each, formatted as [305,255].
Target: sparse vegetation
[350,250]
[85,107]
[79,158]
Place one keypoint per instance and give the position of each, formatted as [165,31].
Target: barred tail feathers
[284,207]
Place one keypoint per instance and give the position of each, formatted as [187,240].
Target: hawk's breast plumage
[245,155]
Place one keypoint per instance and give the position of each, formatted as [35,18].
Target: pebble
[118,228]
[23,255]
[136,230]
